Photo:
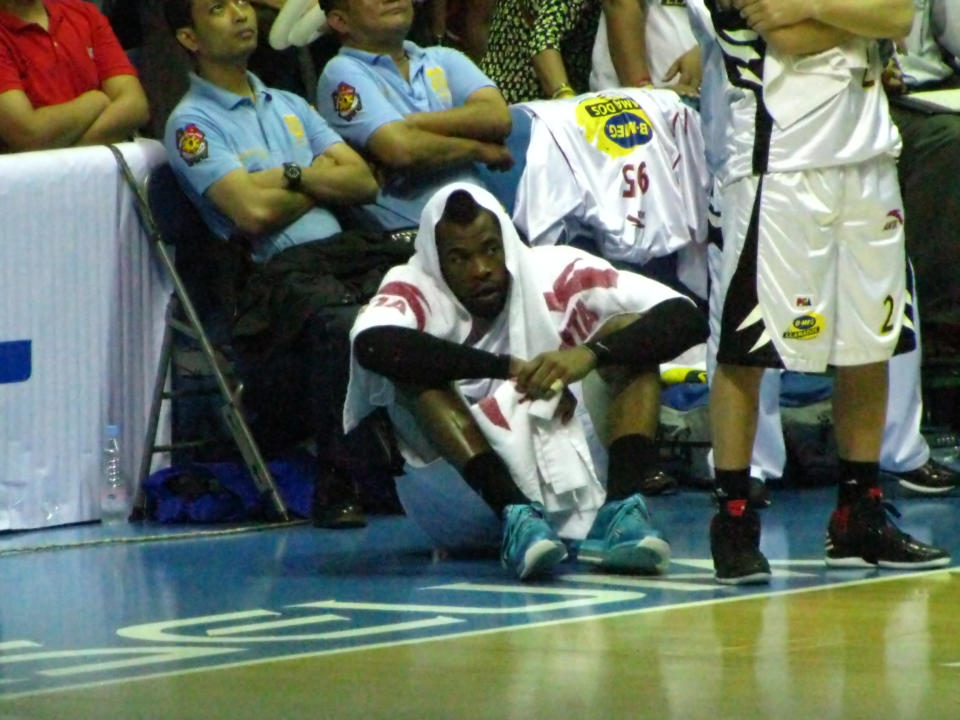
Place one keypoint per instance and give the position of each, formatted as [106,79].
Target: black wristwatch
[292,175]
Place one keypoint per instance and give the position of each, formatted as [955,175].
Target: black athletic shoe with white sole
[735,545]
[931,478]
[860,534]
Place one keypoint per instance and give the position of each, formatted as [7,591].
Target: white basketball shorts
[813,268]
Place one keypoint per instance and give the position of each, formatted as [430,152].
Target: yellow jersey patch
[805,327]
[614,124]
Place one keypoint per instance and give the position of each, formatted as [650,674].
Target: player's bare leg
[859,410]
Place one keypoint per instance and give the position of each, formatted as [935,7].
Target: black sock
[855,479]
[632,457]
[487,474]
[732,484]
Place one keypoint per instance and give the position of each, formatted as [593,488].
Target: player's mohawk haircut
[461,209]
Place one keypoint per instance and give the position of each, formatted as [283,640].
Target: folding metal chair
[168,217]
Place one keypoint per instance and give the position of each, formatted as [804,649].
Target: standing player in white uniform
[904,450]
[813,261]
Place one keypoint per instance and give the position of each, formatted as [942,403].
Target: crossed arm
[798,27]
[107,115]
[258,202]
[470,132]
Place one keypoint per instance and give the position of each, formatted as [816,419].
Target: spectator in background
[64,79]
[470,21]
[672,54]
[462,24]
[423,116]
[264,170]
[543,49]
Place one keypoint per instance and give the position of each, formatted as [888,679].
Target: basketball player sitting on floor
[478,346]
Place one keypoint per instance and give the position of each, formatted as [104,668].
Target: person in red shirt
[64,79]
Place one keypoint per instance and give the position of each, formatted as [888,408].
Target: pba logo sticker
[805,327]
[346,101]
[615,124]
[192,144]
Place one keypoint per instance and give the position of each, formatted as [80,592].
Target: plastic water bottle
[114,496]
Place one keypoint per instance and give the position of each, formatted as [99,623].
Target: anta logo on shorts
[805,327]
[894,219]
[346,101]
[614,124]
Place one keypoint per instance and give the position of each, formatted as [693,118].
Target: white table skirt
[83,297]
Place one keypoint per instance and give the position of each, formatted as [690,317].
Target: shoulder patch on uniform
[192,144]
[346,101]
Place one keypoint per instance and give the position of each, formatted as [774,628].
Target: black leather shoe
[340,516]
[660,483]
[336,503]
[931,478]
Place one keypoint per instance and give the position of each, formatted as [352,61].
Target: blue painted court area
[99,604]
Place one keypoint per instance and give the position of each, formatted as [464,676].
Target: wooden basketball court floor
[295,622]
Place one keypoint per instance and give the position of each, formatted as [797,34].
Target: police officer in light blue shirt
[213,132]
[423,115]
[263,167]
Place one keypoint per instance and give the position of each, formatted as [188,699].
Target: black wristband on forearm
[411,356]
[601,352]
[660,334]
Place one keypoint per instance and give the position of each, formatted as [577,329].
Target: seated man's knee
[618,377]
[443,416]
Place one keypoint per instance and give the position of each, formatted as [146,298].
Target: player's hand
[764,15]
[495,156]
[688,71]
[542,376]
[892,78]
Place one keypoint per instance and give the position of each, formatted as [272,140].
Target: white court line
[487,631]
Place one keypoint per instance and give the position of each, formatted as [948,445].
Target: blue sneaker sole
[650,556]
[540,558]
